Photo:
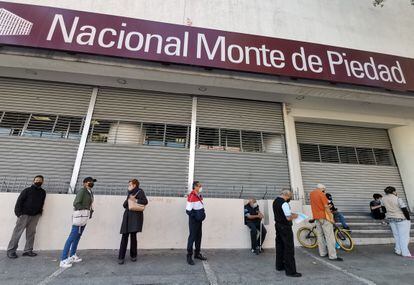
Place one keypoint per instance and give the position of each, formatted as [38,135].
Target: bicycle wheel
[344,240]
[307,237]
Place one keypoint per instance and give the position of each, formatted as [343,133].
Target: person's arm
[142,198]
[288,213]
[125,205]
[19,203]
[376,207]
[77,203]
[404,209]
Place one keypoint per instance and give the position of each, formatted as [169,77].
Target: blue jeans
[340,218]
[72,242]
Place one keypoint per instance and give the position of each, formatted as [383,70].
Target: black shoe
[280,269]
[190,260]
[261,249]
[256,251]
[121,261]
[296,274]
[134,259]
[200,256]
[29,253]
[12,255]
[337,259]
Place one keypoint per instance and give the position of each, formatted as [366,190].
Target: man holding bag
[196,213]
[324,219]
[132,220]
[82,212]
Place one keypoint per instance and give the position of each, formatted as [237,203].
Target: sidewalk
[365,265]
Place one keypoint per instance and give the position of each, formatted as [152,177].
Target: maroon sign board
[92,33]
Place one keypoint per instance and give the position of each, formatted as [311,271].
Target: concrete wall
[165,223]
[402,140]
[352,23]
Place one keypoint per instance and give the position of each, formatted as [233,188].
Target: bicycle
[308,238]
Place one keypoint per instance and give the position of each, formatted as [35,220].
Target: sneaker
[75,259]
[200,256]
[65,263]
[12,255]
[337,259]
[29,253]
[296,274]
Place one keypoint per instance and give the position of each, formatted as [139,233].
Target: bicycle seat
[311,221]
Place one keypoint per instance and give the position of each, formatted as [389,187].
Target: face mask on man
[255,205]
[91,184]
[288,200]
[200,190]
[38,184]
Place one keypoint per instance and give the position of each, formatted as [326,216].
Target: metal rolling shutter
[161,170]
[43,97]
[241,174]
[23,157]
[352,185]
[240,114]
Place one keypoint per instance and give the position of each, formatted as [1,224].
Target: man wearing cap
[324,223]
[83,201]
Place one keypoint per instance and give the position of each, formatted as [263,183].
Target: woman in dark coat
[131,222]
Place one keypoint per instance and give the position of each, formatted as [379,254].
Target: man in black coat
[29,207]
[285,248]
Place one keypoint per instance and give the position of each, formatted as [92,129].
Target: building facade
[249,97]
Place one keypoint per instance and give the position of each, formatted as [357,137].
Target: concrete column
[402,140]
[293,154]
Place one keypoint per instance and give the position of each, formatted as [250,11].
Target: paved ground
[365,265]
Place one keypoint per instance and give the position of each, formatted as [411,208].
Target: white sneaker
[65,263]
[75,259]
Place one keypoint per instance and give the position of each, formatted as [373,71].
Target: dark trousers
[254,229]
[285,249]
[28,223]
[124,244]
[195,236]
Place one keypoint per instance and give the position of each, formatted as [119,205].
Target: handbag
[134,206]
[80,217]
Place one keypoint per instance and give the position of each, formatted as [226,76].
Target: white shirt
[286,209]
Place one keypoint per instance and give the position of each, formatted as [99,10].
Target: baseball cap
[89,179]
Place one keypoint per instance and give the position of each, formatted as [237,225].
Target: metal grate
[345,154]
[40,125]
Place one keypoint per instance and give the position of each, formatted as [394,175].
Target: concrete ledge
[165,223]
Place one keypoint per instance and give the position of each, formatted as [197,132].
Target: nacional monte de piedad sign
[84,32]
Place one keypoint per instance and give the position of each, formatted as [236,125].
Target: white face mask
[200,190]
[130,188]
[254,205]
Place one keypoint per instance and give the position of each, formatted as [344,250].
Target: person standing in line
[196,215]
[285,247]
[253,219]
[132,221]
[324,223]
[398,217]
[83,201]
[28,209]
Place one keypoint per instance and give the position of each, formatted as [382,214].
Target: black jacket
[132,221]
[30,201]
